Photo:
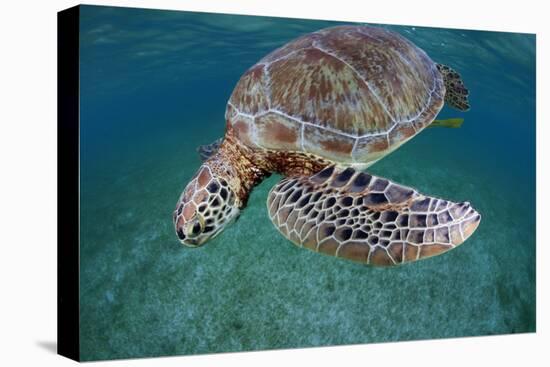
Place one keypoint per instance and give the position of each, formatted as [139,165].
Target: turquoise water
[154,85]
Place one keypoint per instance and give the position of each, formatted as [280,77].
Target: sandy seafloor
[154,86]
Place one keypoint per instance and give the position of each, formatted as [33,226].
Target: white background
[28,182]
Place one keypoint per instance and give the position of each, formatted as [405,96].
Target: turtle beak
[194,232]
[190,233]
[190,242]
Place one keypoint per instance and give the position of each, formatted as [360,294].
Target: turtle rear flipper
[206,151]
[456,94]
[453,123]
[355,215]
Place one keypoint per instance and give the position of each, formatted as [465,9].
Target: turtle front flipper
[357,216]
[206,151]
[456,94]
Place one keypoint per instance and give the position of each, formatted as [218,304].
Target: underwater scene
[154,86]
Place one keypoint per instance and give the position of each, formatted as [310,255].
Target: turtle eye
[196,229]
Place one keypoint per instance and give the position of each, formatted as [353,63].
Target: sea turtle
[318,111]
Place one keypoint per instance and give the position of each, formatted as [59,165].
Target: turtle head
[205,207]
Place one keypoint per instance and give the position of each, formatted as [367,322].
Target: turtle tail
[456,94]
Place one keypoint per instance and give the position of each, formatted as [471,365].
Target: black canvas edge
[68,211]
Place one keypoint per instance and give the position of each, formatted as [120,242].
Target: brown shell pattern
[350,94]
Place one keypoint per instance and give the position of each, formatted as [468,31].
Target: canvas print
[251,183]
